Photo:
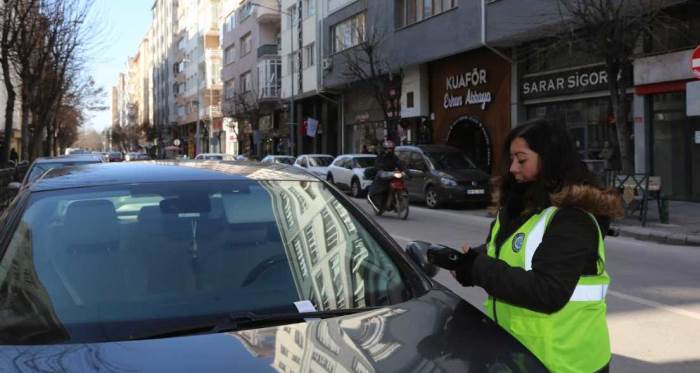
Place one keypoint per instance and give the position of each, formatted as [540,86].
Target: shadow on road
[627,364]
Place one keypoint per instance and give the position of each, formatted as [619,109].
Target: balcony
[267,15]
[268,50]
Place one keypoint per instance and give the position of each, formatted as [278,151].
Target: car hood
[437,331]
[466,175]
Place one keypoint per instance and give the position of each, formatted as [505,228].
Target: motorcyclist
[386,161]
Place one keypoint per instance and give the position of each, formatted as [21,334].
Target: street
[653,301]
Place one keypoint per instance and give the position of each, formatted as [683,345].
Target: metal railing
[268,50]
[8,175]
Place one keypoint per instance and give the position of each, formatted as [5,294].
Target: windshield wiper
[249,320]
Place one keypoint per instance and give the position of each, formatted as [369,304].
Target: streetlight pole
[291,72]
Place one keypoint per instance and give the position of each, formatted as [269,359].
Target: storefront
[470,104]
[365,127]
[672,136]
[578,98]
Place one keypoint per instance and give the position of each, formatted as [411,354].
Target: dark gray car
[442,174]
[224,267]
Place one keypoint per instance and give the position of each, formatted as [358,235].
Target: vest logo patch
[518,242]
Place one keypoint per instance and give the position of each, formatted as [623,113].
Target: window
[293,61]
[230,22]
[408,12]
[269,77]
[230,54]
[246,44]
[294,17]
[246,10]
[348,33]
[409,99]
[230,88]
[308,8]
[246,82]
[309,55]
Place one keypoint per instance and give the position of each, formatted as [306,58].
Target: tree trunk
[24,153]
[9,108]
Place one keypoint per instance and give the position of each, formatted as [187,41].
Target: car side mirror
[418,252]
[14,185]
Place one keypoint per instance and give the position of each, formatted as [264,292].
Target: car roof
[358,155]
[163,171]
[316,155]
[63,158]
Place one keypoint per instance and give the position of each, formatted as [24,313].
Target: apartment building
[162,35]
[252,76]
[197,76]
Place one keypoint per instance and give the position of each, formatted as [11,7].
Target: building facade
[252,74]
[163,28]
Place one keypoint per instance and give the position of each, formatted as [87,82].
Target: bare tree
[245,108]
[14,17]
[612,31]
[368,63]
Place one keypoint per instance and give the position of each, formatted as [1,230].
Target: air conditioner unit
[327,64]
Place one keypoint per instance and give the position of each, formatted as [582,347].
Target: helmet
[388,144]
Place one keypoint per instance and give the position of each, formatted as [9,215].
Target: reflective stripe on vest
[582,293]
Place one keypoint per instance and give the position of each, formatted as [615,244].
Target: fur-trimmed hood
[599,202]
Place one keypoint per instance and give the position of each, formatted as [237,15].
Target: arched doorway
[472,136]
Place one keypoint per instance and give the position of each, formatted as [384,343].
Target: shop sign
[468,80]
[695,62]
[588,79]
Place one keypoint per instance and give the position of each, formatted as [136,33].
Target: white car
[316,164]
[283,159]
[214,157]
[347,172]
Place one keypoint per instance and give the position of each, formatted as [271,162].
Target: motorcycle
[397,197]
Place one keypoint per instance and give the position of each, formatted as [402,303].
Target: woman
[543,265]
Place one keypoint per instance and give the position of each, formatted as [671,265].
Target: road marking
[657,305]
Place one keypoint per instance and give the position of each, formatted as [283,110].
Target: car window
[417,162]
[109,263]
[285,160]
[303,162]
[320,161]
[404,157]
[445,161]
[363,162]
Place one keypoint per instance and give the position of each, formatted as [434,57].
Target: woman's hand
[465,248]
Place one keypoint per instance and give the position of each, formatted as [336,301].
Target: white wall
[415,80]
[663,68]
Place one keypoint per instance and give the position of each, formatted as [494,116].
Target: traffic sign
[695,62]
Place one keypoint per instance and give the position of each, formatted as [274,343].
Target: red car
[115,157]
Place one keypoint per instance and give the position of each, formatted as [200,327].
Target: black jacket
[568,250]
[385,162]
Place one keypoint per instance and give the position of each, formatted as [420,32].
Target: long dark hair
[560,166]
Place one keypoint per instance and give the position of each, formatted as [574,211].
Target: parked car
[347,172]
[284,159]
[183,266]
[317,164]
[115,157]
[136,156]
[43,164]
[442,174]
[214,157]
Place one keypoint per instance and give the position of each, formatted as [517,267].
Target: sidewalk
[683,227]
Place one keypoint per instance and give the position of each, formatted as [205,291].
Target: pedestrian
[365,150]
[543,264]
[13,155]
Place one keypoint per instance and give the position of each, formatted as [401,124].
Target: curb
[644,234]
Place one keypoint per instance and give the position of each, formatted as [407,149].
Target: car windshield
[109,263]
[40,168]
[445,161]
[364,162]
[320,161]
[285,160]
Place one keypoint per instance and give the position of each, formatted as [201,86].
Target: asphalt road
[653,301]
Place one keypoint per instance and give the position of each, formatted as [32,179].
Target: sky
[123,24]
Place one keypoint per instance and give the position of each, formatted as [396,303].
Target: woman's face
[524,163]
